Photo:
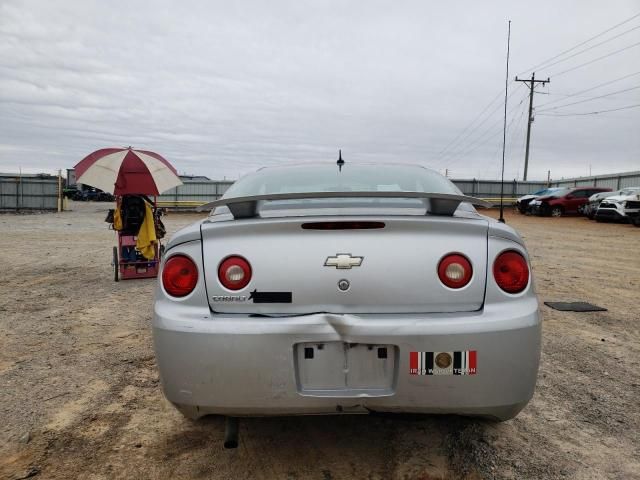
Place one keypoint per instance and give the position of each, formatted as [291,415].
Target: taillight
[179,276]
[511,272]
[234,273]
[455,270]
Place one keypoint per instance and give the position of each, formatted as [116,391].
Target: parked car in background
[622,207]
[591,207]
[564,201]
[522,203]
[92,194]
[70,192]
[105,197]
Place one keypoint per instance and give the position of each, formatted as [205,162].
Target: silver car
[318,289]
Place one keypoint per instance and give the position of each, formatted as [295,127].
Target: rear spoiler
[247,207]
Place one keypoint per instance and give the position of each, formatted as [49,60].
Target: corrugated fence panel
[611,183]
[492,188]
[630,181]
[198,191]
[615,181]
[28,193]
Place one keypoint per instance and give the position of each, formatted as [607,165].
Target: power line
[591,47]
[473,149]
[513,135]
[474,143]
[440,158]
[561,97]
[588,89]
[579,44]
[483,137]
[469,125]
[588,99]
[515,131]
[595,60]
[589,113]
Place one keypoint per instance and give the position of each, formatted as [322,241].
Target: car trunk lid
[390,267]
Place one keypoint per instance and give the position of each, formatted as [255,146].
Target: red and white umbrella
[124,171]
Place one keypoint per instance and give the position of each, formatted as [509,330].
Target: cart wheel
[116,265]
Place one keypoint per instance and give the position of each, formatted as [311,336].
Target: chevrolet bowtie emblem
[343,261]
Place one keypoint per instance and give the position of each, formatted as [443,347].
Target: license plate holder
[345,369]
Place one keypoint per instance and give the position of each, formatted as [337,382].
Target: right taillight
[511,272]
[179,276]
[234,272]
[455,270]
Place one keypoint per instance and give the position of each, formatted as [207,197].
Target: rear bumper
[239,365]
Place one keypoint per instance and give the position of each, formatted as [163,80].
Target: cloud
[223,88]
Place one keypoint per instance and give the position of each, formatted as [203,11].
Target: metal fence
[40,192]
[28,192]
[614,181]
[194,193]
[512,189]
[491,188]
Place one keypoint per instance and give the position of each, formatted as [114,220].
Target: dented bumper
[242,365]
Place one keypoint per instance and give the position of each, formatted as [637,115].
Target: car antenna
[340,161]
[504,127]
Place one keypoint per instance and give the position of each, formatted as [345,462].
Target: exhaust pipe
[231,432]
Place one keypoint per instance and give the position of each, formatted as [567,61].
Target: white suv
[623,206]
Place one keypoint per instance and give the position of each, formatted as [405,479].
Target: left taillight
[179,276]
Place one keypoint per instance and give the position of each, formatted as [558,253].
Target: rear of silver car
[347,313]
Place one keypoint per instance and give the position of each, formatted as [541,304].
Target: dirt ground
[80,396]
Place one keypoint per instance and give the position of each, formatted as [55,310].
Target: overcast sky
[222,88]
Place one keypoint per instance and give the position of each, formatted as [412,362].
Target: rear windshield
[544,192]
[561,192]
[352,178]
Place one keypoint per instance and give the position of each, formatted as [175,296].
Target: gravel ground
[80,396]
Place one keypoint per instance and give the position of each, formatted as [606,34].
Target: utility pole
[531,84]
[60,196]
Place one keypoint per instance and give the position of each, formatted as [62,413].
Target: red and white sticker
[443,363]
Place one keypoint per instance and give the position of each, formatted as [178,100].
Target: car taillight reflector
[179,276]
[511,272]
[455,270]
[234,273]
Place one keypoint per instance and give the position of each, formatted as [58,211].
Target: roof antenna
[340,161]
[504,127]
